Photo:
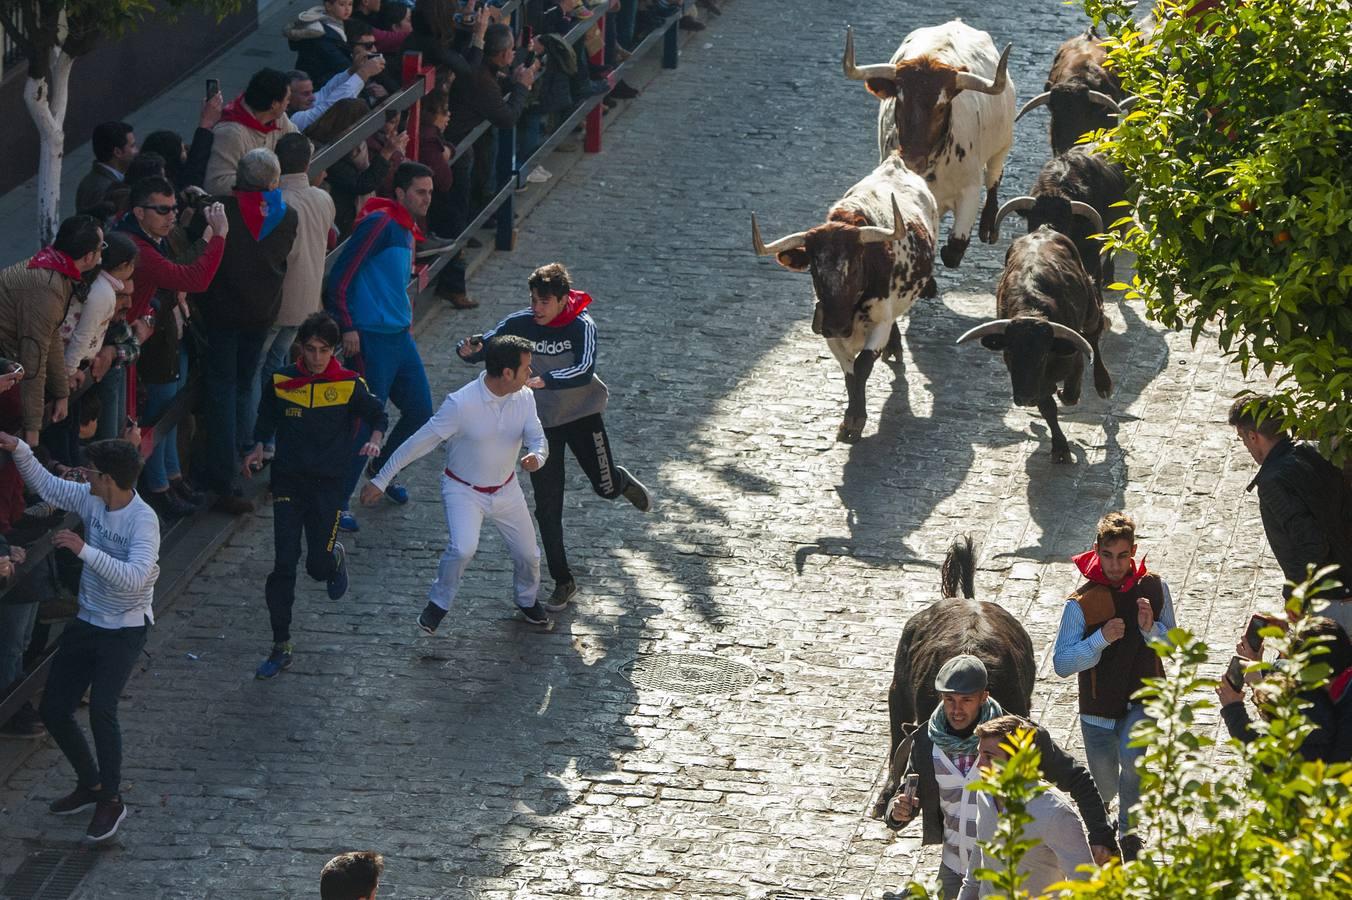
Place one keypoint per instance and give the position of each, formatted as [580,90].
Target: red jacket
[154,271]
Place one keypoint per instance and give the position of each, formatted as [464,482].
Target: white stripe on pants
[466,510]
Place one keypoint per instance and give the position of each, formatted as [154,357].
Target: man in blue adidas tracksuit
[310,412]
[569,399]
[367,292]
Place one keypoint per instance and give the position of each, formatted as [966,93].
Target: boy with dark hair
[257,118]
[98,649]
[1106,627]
[352,876]
[310,409]
[484,424]
[570,399]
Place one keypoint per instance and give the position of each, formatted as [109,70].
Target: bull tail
[959,569]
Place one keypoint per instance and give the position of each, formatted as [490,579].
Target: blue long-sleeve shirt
[368,287]
[1073,653]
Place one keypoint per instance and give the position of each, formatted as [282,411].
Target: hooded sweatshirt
[564,356]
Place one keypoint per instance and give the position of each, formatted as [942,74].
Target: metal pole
[671,53]
[411,73]
[506,172]
[591,142]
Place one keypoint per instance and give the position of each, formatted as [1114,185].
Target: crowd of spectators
[200,257]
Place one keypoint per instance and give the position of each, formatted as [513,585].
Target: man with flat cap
[944,757]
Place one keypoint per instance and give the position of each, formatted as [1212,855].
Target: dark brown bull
[1081,94]
[1051,317]
[945,629]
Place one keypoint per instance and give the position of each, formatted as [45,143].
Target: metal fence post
[591,141]
[671,53]
[413,70]
[506,172]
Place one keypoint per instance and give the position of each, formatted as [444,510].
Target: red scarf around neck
[236,111]
[332,372]
[1339,685]
[57,261]
[577,301]
[1090,567]
[396,211]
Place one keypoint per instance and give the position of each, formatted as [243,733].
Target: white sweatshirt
[121,552]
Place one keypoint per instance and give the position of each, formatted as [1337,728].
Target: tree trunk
[46,102]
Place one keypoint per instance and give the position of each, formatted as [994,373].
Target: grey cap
[963,674]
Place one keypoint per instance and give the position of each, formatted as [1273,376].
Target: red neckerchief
[235,111]
[53,259]
[577,301]
[1338,686]
[1090,567]
[396,211]
[332,372]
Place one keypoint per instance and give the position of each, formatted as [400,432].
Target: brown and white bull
[870,260]
[1051,317]
[1080,93]
[948,107]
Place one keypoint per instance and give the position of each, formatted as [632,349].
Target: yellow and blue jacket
[314,420]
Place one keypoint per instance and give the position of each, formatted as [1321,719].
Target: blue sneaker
[338,580]
[397,492]
[278,659]
[347,522]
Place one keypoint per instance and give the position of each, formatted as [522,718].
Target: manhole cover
[49,875]
[689,673]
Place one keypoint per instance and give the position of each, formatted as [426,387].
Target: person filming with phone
[1328,707]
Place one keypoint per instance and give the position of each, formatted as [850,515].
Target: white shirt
[121,552]
[343,86]
[87,322]
[485,432]
[1061,846]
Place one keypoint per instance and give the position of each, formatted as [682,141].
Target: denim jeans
[16,630]
[1113,763]
[163,462]
[624,23]
[231,365]
[394,372]
[112,403]
[276,354]
[100,660]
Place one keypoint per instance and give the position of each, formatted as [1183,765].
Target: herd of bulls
[945,127]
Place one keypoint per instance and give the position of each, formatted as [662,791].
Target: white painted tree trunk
[46,104]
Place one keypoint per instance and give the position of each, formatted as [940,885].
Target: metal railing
[508,171]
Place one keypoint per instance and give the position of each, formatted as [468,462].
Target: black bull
[947,628]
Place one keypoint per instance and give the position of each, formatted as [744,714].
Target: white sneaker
[539,175]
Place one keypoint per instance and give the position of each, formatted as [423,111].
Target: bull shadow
[899,473]
[1066,500]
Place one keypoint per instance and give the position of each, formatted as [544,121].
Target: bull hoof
[1103,385]
[1060,453]
[953,251]
[931,289]
[1068,397]
[850,430]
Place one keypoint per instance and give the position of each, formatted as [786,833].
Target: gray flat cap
[963,674]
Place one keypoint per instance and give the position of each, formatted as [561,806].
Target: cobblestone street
[494,761]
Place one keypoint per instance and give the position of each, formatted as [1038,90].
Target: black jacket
[1331,740]
[1307,511]
[247,290]
[479,98]
[314,424]
[1062,770]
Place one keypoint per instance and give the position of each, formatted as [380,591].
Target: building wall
[113,80]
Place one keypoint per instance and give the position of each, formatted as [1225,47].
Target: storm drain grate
[689,673]
[49,875]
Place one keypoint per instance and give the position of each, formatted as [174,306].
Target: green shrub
[1239,149]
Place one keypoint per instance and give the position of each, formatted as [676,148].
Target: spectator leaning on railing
[87,322]
[34,297]
[257,118]
[239,307]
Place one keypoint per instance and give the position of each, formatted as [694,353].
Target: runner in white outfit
[485,423]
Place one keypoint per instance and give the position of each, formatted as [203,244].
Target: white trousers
[466,510]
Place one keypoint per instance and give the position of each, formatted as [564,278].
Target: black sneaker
[563,593]
[76,801]
[108,815]
[534,614]
[634,491]
[430,618]
[25,724]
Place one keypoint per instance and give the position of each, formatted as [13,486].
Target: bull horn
[1103,99]
[873,234]
[1040,100]
[1086,211]
[968,81]
[994,326]
[1125,104]
[857,73]
[1018,204]
[789,242]
[1070,334]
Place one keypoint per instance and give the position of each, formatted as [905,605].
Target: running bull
[870,260]
[1080,93]
[1051,317]
[948,107]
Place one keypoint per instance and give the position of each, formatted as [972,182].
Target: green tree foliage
[1239,150]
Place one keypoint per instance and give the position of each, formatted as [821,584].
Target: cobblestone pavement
[497,762]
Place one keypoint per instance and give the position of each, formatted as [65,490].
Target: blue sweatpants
[394,372]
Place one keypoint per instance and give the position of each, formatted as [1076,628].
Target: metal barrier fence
[418,82]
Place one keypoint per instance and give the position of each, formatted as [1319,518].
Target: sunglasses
[365,45]
[162,209]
